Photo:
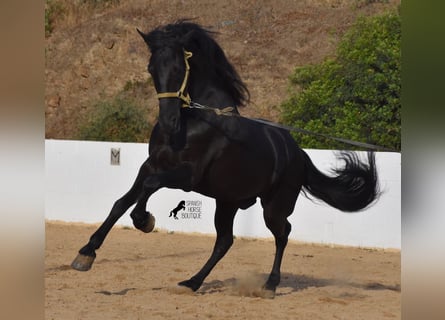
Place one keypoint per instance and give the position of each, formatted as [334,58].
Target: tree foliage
[355,95]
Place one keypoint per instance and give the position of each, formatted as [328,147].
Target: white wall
[82,185]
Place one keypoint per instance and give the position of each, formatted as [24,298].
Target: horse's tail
[352,188]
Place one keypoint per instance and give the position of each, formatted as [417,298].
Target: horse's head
[214,81]
[168,67]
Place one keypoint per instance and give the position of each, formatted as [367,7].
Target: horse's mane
[210,56]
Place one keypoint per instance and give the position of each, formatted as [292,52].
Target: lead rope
[228,112]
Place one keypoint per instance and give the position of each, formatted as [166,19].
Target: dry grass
[69,13]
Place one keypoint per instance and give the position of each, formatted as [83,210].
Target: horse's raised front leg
[224,215]
[177,178]
[87,254]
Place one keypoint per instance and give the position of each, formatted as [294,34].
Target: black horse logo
[180,206]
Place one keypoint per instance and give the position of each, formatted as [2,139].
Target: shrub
[355,95]
[120,120]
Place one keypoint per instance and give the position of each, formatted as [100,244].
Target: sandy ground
[135,275]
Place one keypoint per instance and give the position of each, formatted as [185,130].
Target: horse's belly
[235,180]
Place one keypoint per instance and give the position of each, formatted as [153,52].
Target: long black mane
[208,57]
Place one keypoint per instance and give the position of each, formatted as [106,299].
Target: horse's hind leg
[224,215]
[87,254]
[276,211]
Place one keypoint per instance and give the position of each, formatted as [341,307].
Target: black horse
[223,155]
[179,207]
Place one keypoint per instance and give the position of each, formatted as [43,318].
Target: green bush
[120,120]
[355,95]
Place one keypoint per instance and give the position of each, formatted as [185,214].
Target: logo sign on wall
[187,209]
[115,156]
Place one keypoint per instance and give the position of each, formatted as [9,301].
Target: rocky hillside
[93,52]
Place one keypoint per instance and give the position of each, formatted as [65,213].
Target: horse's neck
[211,95]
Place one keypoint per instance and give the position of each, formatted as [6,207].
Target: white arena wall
[82,185]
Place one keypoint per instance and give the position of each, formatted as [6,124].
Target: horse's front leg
[177,178]
[87,254]
[224,215]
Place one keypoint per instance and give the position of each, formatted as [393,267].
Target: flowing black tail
[352,188]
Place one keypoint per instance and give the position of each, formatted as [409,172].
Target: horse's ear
[143,35]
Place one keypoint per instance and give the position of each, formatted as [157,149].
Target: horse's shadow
[291,283]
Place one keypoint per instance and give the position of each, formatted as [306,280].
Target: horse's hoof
[267,294]
[82,262]
[191,284]
[150,225]
[180,290]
